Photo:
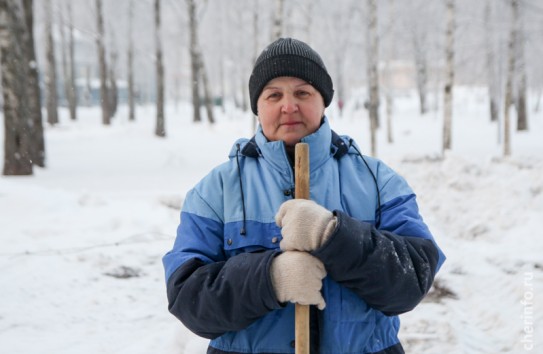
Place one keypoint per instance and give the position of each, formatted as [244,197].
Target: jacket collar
[320,147]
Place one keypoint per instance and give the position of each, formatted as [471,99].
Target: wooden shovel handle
[301,178]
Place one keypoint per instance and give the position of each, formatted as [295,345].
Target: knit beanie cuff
[289,57]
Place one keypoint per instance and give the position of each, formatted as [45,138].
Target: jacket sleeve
[391,273]
[209,291]
[211,299]
[391,268]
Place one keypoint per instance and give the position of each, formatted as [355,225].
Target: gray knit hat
[289,57]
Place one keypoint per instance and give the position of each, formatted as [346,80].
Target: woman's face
[289,109]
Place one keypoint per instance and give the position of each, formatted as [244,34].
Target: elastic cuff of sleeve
[269,282]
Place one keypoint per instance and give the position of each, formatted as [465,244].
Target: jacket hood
[274,152]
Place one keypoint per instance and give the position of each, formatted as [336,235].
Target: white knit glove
[305,225]
[297,277]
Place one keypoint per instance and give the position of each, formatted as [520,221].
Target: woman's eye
[274,95]
[302,93]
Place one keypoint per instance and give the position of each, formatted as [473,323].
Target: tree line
[204,50]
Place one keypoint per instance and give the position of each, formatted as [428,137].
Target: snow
[82,240]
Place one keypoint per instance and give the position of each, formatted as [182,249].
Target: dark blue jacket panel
[395,349]
[211,299]
[391,273]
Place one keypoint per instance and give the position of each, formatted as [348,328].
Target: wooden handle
[301,178]
[301,171]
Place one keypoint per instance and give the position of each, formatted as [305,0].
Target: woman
[246,251]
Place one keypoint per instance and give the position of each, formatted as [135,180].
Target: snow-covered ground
[82,240]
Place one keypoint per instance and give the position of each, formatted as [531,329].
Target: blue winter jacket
[380,261]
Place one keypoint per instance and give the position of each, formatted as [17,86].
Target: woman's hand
[305,225]
[297,277]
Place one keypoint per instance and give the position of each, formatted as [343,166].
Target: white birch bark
[33,89]
[449,77]
[51,72]
[104,95]
[520,73]
[160,129]
[193,51]
[491,63]
[130,63]
[72,103]
[278,19]
[14,72]
[373,75]
[510,77]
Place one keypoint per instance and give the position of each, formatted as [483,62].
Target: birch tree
[14,70]
[199,73]
[69,90]
[277,30]
[388,74]
[491,63]
[33,89]
[309,15]
[418,33]
[373,75]
[160,129]
[130,63]
[222,60]
[421,65]
[256,49]
[104,95]
[51,72]
[510,76]
[193,51]
[520,72]
[239,17]
[449,77]
[341,20]
[72,99]
[208,100]
[113,92]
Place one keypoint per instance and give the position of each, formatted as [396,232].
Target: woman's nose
[290,104]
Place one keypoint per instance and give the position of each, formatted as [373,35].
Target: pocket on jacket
[257,236]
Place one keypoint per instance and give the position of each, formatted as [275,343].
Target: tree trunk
[112,89]
[490,63]
[373,74]
[222,86]
[339,59]
[509,82]
[388,74]
[256,49]
[277,30]
[160,126]
[51,76]
[309,21]
[244,93]
[449,78]
[33,89]
[72,103]
[64,58]
[522,110]
[422,72]
[160,129]
[88,86]
[104,96]
[17,119]
[193,28]
[130,64]
[208,100]
[538,101]
[222,61]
